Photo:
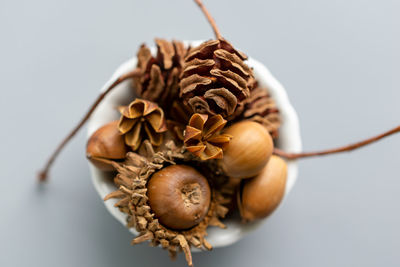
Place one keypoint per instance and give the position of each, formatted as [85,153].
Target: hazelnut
[262,194]
[179,196]
[248,151]
[104,145]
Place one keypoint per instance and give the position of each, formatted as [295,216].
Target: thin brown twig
[336,150]
[43,174]
[209,18]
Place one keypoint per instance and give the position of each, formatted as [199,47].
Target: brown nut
[262,194]
[248,151]
[179,196]
[104,145]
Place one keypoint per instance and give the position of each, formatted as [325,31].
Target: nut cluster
[197,136]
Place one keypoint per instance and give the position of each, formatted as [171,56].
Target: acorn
[104,145]
[262,194]
[248,151]
[179,196]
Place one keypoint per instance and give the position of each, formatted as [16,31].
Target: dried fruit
[179,196]
[215,78]
[261,108]
[142,118]
[262,194]
[203,138]
[104,145]
[159,79]
[248,151]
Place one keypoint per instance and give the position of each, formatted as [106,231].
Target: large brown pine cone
[215,78]
[159,81]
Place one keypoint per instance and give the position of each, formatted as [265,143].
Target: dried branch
[209,18]
[336,150]
[43,174]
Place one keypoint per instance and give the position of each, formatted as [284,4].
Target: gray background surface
[339,61]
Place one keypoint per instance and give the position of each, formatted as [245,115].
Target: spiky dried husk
[132,179]
[215,79]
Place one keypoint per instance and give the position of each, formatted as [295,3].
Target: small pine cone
[261,108]
[215,79]
[159,79]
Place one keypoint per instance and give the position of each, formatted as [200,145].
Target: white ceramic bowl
[289,140]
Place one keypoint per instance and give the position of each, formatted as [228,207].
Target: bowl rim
[289,140]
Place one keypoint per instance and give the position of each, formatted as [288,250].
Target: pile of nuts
[194,146]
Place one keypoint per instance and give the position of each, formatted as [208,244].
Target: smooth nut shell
[179,196]
[248,151]
[106,144]
[262,194]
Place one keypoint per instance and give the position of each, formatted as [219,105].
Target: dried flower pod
[203,138]
[215,78]
[159,79]
[248,151]
[132,180]
[179,196]
[261,108]
[104,145]
[142,118]
[262,194]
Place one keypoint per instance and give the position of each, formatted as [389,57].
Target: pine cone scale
[223,99]
[203,51]
[232,61]
[199,66]
[165,53]
[194,83]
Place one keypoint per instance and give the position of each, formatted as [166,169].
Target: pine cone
[261,108]
[142,118]
[215,78]
[159,81]
[202,136]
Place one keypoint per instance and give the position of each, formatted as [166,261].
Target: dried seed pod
[261,108]
[142,118]
[202,136]
[215,78]
[104,145]
[132,181]
[179,196]
[262,194]
[159,79]
[248,151]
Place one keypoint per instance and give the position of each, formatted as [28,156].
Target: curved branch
[43,174]
[347,148]
[209,18]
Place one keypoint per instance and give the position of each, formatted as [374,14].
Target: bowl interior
[289,140]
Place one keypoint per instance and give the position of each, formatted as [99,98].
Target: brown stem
[336,150]
[44,172]
[209,18]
